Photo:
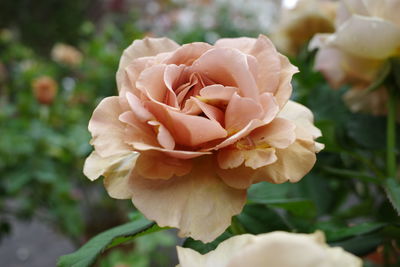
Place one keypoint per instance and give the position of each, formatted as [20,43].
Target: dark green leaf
[335,233]
[207,247]
[88,253]
[392,188]
[360,245]
[257,219]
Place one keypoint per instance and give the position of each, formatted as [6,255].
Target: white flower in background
[275,249]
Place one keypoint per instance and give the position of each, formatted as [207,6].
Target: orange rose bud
[45,89]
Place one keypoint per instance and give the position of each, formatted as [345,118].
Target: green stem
[391,135]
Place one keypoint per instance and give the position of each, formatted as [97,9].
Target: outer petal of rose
[386,9]
[142,48]
[288,250]
[137,131]
[180,154]
[240,111]
[187,53]
[349,7]
[199,204]
[116,169]
[329,61]
[228,67]
[244,44]
[354,36]
[156,165]
[187,129]
[303,118]
[219,257]
[230,158]
[105,117]
[269,64]
[241,177]
[293,163]
[280,133]
[284,90]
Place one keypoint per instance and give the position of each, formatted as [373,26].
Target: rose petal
[240,111]
[142,48]
[180,201]
[230,158]
[284,90]
[104,118]
[257,158]
[180,154]
[329,61]
[186,54]
[228,67]
[138,109]
[240,177]
[156,165]
[386,9]
[217,93]
[164,137]
[210,111]
[187,130]
[354,36]
[280,133]
[116,169]
[293,163]
[244,44]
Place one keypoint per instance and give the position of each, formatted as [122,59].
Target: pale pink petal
[259,157]
[136,130]
[187,130]
[354,36]
[240,111]
[180,201]
[210,111]
[269,105]
[304,120]
[186,54]
[349,7]
[179,154]
[269,64]
[217,93]
[116,169]
[240,177]
[142,48]
[244,44]
[253,124]
[284,90]
[329,61]
[104,118]
[228,67]
[164,137]
[151,83]
[280,133]
[230,158]
[156,165]
[293,163]
[386,9]
[138,109]
[172,76]
[191,107]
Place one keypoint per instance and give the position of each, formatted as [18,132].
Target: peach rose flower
[275,249]
[367,34]
[297,25]
[66,54]
[195,125]
[44,89]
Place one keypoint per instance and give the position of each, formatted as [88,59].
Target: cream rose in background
[195,125]
[275,249]
[299,23]
[367,35]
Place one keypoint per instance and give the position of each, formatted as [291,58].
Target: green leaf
[335,233]
[205,247]
[360,245]
[88,253]
[257,219]
[276,195]
[392,188]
